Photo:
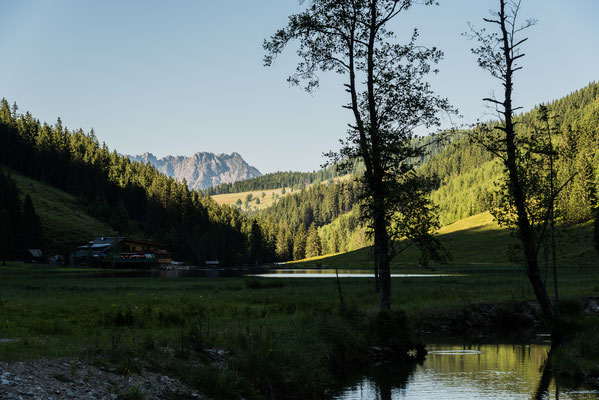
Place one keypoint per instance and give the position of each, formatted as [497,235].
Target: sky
[180,77]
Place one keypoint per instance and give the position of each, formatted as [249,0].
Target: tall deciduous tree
[388,99]
[499,52]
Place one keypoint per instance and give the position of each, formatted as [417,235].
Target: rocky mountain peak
[202,169]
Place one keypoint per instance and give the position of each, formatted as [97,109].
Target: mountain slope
[64,221]
[467,176]
[203,169]
[474,240]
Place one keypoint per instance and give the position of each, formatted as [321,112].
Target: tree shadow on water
[382,379]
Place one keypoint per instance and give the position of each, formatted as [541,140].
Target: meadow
[270,197]
[281,336]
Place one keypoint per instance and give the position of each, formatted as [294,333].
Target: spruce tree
[313,243]
[299,244]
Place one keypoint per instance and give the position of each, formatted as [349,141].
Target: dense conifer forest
[283,179]
[133,198]
[320,217]
[467,175]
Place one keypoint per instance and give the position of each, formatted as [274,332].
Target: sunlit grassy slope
[267,200]
[63,218]
[476,240]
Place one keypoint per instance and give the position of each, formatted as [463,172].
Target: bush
[391,328]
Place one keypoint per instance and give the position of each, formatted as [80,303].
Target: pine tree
[313,243]
[282,245]
[256,243]
[299,244]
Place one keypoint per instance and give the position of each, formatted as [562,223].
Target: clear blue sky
[179,77]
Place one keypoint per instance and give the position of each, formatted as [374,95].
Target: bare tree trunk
[340,294]
[377,287]
[526,230]
[381,249]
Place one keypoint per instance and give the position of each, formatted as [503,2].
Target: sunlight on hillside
[270,195]
[476,240]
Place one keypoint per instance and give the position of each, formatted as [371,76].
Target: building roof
[143,242]
[35,252]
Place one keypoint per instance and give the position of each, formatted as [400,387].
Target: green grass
[265,202]
[285,336]
[63,218]
[476,240]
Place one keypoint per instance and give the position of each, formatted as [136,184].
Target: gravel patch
[74,379]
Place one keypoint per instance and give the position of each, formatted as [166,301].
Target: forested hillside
[278,180]
[465,177]
[292,223]
[131,197]
[467,174]
[63,217]
[134,198]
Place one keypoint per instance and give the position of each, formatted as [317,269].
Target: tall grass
[281,337]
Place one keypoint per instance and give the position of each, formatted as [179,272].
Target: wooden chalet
[122,252]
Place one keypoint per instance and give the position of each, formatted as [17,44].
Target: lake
[259,272]
[465,372]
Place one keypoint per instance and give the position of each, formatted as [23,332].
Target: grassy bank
[281,336]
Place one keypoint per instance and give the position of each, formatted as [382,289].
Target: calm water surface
[259,272]
[466,372]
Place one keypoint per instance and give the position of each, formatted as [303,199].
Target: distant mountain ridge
[202,169]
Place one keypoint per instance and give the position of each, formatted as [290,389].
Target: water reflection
[259,272]
[342,273]
[467,372]
[176,273]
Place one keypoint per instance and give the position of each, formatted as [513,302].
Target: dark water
[466,372]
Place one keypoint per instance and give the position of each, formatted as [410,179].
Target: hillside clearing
[270,197]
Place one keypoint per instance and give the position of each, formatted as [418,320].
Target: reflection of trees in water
[384,379]
[392,377]
[520,365]
[501,369]
[542,392]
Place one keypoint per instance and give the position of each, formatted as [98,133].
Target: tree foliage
[388,98]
